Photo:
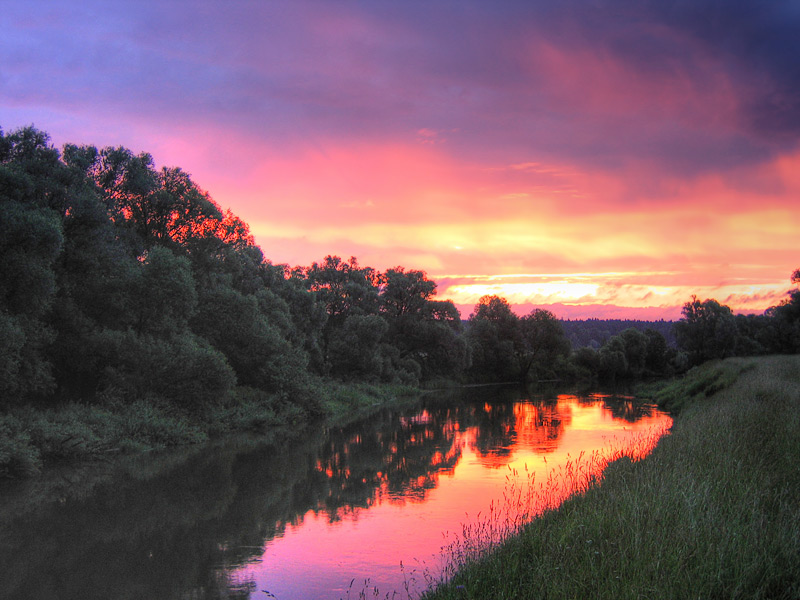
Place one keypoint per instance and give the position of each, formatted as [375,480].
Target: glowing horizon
[621,162]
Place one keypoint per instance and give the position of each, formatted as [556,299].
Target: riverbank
[32,438]
[713,512]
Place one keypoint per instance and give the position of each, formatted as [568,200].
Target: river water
[362,509]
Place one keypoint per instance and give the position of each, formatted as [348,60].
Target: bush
[185,371]
[18,456]
[145,425]
[251,409]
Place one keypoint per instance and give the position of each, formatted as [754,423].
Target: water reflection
[299,518]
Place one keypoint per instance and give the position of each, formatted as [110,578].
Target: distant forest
[121,282]
[596,332]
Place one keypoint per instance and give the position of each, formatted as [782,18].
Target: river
[342,511]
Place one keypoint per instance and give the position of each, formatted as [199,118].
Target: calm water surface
[299,519]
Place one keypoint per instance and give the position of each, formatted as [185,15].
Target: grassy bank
[32,437]
[713,512]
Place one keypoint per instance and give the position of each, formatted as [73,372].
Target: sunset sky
[599,158]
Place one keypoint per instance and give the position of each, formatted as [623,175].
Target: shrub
[18,456]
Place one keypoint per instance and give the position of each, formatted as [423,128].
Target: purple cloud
[690,86]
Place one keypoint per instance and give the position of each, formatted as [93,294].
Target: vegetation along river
[331,515]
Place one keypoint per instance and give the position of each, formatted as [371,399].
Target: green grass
[713,512]
[30,437]
[700,382]
[343,402]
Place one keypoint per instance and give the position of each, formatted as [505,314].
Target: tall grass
[29,436]
[33,436]
[525,499]
[699,383]
[713,512]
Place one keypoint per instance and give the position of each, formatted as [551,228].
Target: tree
[494,337]
[423,330]
[160,207]
[656,359]
[707,330]
[437,341]
[542,343]
[613,361]
[126,182]
[635,348]
[259,354]
[31,171]
[345,289]
[307,314]
[167,298]
[120,280]
[786,319]
[405,292]
[355,352]
[31,240]
[184,370]
[588,362]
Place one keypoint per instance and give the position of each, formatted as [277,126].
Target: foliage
[494,337]
[785,333]
[596,332]
[18,456]
[707,330]
[258,352]
[505,347]
[427,332]
[355,351]
[632,354]
[28,436]
[543,343]
[30,242]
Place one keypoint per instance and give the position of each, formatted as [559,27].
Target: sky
[601,159]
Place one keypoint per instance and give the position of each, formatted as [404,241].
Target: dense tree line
[120,282]
[505,347]
[596,332]
[710,330]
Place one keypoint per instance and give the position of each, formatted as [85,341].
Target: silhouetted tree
[786,318]
[345,289]
[424,330]
[542,344]
[494,338]
[707,330]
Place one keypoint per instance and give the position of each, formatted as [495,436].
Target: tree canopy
[120,281]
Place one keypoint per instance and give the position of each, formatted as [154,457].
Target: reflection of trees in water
[370,462]
[625,408]
[542,424]
[524,425]
[182,532]
[133,538]
[496,432]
